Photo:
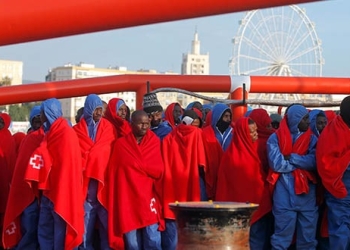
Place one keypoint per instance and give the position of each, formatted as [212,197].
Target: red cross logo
[11,228]
[36,161]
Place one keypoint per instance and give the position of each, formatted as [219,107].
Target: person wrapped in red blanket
[7,161]
[96,136]
[291,155]
[22,210]
[116,113]
[56,167]
[136,170]
[333,165]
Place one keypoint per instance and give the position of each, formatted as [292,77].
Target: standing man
[135,183]
[154,110]
[56,168]
[96,136]
[333,163]
[291,156]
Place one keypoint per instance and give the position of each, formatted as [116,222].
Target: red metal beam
[25,20]
[195,83]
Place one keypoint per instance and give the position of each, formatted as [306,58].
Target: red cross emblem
[36,161]
[11,228]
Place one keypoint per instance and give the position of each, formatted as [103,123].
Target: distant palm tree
[5,81]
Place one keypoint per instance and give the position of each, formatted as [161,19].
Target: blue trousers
[51,227]
[260,233]
[95,213]
[29,227]
[147,238]
[169,235]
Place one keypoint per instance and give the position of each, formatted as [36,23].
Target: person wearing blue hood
[96,136]
[291,155]
[216,137]
[34,119]
[318,121]
[61,218]
[154,110]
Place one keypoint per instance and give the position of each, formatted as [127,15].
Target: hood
[218,110]
[7,119]
[34,112]
[313,119]
[295,114]
[52,110]
[92,102]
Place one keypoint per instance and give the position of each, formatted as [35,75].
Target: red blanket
[333,156]
[7,162]
[133,197]
[240,177]
[183,153]
[56,165]
[21,195]
[96,154]
[213,154]
[169,116]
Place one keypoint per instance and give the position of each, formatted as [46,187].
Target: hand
[286,157]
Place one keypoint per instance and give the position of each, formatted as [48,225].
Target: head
[79,114]
[275,120]
[221,117]
[50,111]
[104,106]
[321,122]
[93,108]
[122,109]
[5,121]
[139,123]
[190,117]
[298,118]
[345,110]
[34,118]
[177,111]
[153,108]
[253,130]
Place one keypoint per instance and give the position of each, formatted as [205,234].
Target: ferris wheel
[277,42]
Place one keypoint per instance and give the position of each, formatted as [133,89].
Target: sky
[160,46]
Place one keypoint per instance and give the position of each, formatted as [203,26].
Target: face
[253,131]
[78,115]
[304,124]
[36,122]
[97,114]
[196,123]
[198,106]
[43,117]
[321,122]
[275,125]
[122,111]
[140,125]
[155,118]
[226,117]
[104,108]
[177,113]
[2,123]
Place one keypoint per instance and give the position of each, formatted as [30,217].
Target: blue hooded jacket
[92,102]
[34,112]
[224,139]
[313,119]
[52,110]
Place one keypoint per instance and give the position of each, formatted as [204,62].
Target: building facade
[12,70]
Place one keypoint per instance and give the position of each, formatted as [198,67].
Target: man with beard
[154,110]
[173,114]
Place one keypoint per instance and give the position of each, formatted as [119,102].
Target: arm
[308,161]
[277,161]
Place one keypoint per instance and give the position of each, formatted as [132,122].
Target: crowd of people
[106,182]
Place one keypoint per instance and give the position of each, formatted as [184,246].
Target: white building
[12,70]
[195,63]
[83,70]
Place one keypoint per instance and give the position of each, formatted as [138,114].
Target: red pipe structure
[24,21]
[195,83]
